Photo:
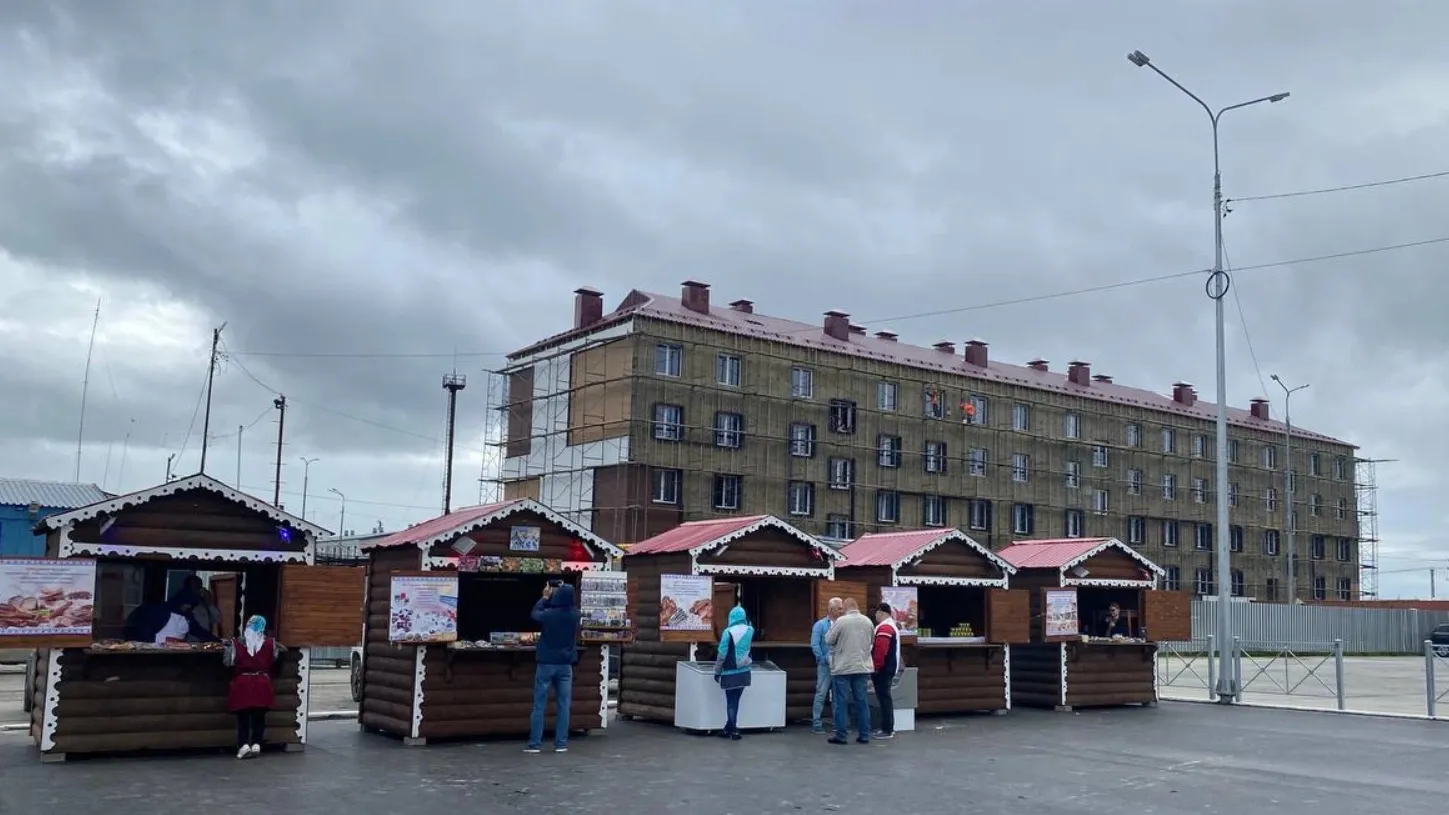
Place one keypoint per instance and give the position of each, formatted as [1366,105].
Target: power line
[1247,336]
[1344,188]
[194,413]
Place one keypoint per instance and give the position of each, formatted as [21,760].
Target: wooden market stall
[1073,583]
[101,688]
[449,640]
[957,617]
[682,585]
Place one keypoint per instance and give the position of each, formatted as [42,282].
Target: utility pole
[341,518]
[306,477]
[280,403]
[240,429]
[210,377]
[452,383]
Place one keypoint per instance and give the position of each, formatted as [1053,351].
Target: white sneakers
[249,751]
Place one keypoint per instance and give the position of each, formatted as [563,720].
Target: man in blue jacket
[557,652]
[821,649]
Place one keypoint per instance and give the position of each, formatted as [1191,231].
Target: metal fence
[1363,631]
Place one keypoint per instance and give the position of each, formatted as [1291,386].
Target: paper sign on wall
[905,607]
[424,609]
[46,597]
[1060,618]
[523,539]
[686,602]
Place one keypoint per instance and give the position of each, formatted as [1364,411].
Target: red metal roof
[1049,553]
[456,519]
[760,326]
[687,536]
[889,548]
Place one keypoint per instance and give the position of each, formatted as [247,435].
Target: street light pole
[342,519]
[1217,289]
[1289,484]
[306,474]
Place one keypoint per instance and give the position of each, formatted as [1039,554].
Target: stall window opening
[945,609]
[1095,602]
[500,603]
[781,609]
[132,597]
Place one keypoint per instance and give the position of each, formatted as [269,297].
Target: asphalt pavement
[1171,760]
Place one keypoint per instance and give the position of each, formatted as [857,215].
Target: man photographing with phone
[557,652]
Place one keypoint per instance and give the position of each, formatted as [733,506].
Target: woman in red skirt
[251,658]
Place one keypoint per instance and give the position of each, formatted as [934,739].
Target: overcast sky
[414,181]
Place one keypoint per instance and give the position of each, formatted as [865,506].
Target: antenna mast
[452,383]
[85,391]
[210,376]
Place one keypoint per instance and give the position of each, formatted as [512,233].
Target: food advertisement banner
[424,609]
[905,607]
[686,606]
[46,598]
[604,599]
[510,565]
[1060,619]
[524,538]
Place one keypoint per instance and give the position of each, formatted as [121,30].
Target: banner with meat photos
[686,609]
[46,602]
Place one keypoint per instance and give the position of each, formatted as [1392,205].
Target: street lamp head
[1279,97]
[1275,378]
[1140,60]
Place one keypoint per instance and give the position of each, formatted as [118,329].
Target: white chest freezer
[699,703]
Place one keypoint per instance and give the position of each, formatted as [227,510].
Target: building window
[1271,585]
[801,498]
[802,383]
[666,486]
[1199,490]
[842,416]
[1099,502]
[1203,582]
[1021,418]
[1072,426]
[1136,530]
[1345,550]
[1317,547]
[838,527]
[802,440]
[885,396]
[1270,457]
[1271,542]
[1169,533]
[978,461]
[1293,521]
[1074,523]
[934,457]
[1345,588]
[729,429]
[1340,468]
[979,514]
[1169,487]
[1315,464]
[1134,482]
[1169,440]
[1172,581]
[1292,478]
[1315,505]
[1233,451]
[1020,467]
[1134,435]
[727,491]
[1073,474]
[1199,446]
[933,403]
[1203,536]
[888,450]
[1099,455]
[1023,519]
[1233,494]
[979,407]
[842,473]
[1342,511]
[1235,538]
[1270,500]
[933,510]
[1236,584]
[1320,588]
[668,422]
[888,507]
[668,360]
[727,370]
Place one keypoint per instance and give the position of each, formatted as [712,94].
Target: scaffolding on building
[1366,491]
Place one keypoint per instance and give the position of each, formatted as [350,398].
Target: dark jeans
[561,679]
[732,709]
[251,726]
[882,682]
[850,690]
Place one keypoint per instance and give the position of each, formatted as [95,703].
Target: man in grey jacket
[851,638]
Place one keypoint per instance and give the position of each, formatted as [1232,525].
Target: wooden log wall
[469,695]
[646,669]
[1110,675]
[959,680]
[388,669]
[799,666]
[1036,675]
[37,693]
[131,702]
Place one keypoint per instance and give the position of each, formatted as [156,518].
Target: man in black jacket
[557,652]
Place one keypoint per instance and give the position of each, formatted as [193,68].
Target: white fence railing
[1363,631]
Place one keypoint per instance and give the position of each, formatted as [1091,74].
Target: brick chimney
[1038,365]
[745,306]
[1183,394]
[976,353]
[1103,378]
[888,336]
[588,307]
[837,325]
[1259,409]
[946,347]
[1080,373]
[695,296]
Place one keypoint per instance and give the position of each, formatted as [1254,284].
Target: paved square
[1178,758]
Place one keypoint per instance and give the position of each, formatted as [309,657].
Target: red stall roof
[1063,553]
[471,519]
[894,548]
[699,536]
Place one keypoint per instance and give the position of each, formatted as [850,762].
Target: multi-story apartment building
[671,409]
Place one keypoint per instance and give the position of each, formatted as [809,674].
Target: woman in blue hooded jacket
[732,667]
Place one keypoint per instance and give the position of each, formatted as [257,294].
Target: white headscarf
[255,634]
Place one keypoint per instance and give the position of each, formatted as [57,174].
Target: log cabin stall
[683,584]
[100,689]
[449,639]
[957,617]
[1073,582]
